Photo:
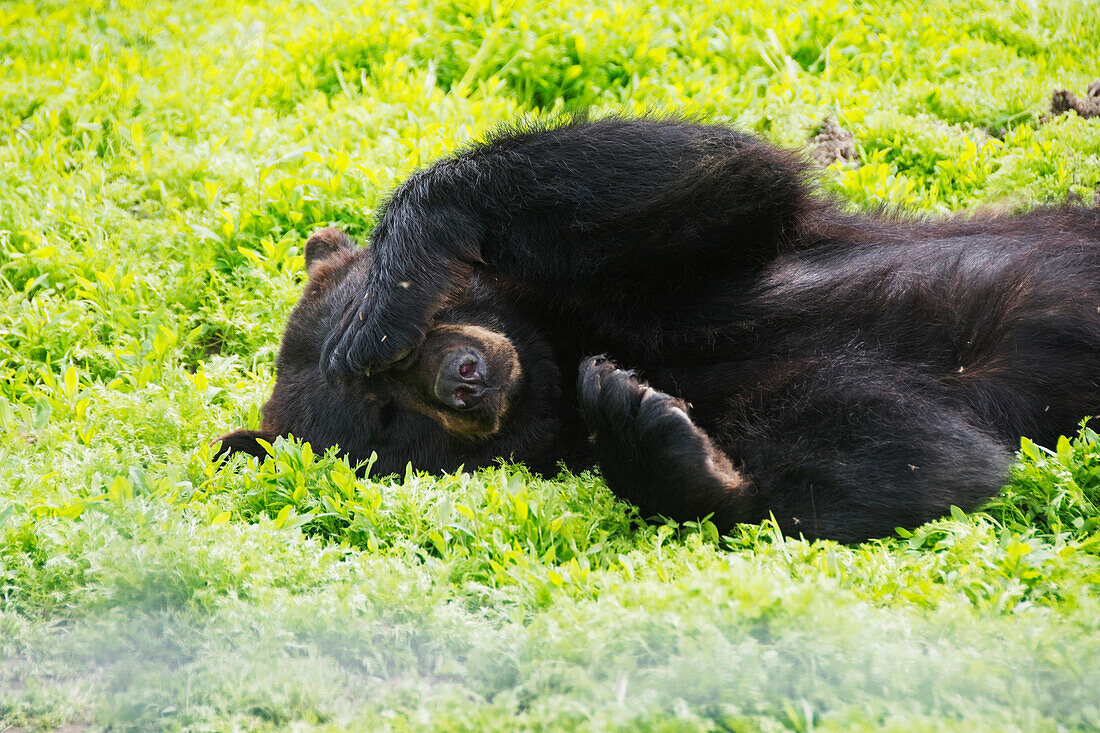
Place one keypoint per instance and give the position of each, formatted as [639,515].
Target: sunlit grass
[160,166]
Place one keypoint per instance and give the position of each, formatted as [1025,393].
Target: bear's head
[482,386]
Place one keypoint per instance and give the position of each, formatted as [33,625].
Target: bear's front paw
[614,399]
[649,450]
[371,337]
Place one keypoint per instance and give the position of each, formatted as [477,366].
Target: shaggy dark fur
[848,374]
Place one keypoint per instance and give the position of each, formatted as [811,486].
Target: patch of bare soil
[1064,100]
[832,143]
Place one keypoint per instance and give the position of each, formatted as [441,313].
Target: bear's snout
[463,379]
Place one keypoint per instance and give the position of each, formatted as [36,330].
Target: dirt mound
[833,143]
[1065,100]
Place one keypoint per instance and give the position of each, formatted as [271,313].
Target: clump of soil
[1065,100]
[833,143]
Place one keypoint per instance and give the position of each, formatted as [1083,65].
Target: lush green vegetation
[161,165]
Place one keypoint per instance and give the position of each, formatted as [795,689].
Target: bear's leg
[653,455]
[589,210]
[845,450]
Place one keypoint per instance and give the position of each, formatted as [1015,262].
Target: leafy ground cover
[160,166]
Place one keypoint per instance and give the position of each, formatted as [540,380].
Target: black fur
[849,374]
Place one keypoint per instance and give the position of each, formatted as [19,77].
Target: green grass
[160,166]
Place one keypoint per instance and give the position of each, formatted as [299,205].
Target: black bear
[762,352]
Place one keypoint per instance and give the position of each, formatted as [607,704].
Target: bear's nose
[462,379]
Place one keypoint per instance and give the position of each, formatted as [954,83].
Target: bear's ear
[243,441]
[323,244]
